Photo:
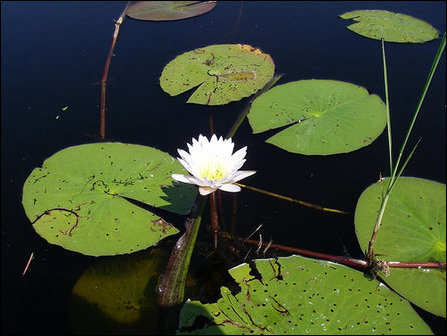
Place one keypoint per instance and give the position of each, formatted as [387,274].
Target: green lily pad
[77,198]
[168,10]
[223,72]
[393,27]
[413,230]
[324,116]
[118,295]
[297,295]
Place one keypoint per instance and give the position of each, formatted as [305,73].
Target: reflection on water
[118,295]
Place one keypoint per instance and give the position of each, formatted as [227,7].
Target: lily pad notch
[392,27]
[324,117]
[77,199]
[222,73]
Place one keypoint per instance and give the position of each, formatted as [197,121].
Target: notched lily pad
[168,10]
[324,116]
[79,198]
[224,73]
[297,295]
[393,27]
[413,229]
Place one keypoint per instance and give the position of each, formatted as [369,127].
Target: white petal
[229,149]
[194,150]
[240,154]
[198,182]
[230,187]
[194,146]
[225,148]
[205,190]
[188,179]
[189,147]
[243,174]
[184,155]
[236,166]
[181,178]
[185,164]
[213,139]
[203,140]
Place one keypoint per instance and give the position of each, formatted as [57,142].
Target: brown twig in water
[233,214]
[238,20]
[221,209]
[102,123]
[211,123]
[342,260]
[403,264]
[28,263]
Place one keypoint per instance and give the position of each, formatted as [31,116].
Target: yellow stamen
[212,171]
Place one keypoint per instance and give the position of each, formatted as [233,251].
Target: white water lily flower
[213,165]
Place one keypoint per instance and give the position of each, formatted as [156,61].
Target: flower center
[212,171]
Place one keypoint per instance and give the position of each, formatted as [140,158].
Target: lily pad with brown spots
[222,73]
[106,198]
[392,27]
[297,296]
[168,10]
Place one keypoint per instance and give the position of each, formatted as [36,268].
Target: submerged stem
[171,290]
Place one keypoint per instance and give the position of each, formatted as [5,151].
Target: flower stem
[214,218]
[306,204]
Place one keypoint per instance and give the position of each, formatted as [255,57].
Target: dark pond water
[53,55]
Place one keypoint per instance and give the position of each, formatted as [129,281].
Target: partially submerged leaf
[324,116]
[76,200]
[297,295]
[393,27]
[168,10]
[413,229]
[118,295]
[225,73]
